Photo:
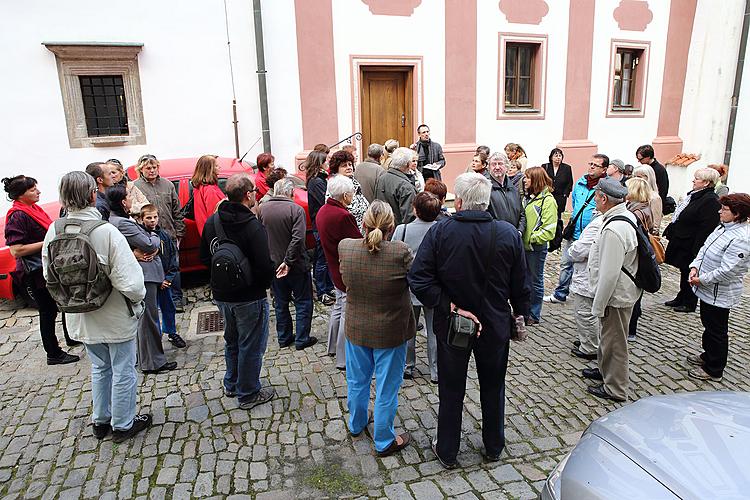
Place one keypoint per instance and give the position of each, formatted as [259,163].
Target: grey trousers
[336,332]
[613,350]
[150,351]
[411,345]
[587,325]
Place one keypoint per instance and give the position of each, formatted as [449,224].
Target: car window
[176,185]
[223,185]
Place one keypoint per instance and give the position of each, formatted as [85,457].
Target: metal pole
[262,88]
[236,130]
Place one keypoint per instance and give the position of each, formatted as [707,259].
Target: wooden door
[386,105]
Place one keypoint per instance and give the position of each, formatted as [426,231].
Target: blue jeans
[388,365]
[166,305]
[323,282]
[177,281]
[566,273]
[535,263]
[113,383]
[295,287]
[245,338]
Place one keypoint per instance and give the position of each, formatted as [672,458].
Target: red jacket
[335,223]
[260,184]
[205,200]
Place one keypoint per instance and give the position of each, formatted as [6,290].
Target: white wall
[739,173]
[537,137]
[185,82]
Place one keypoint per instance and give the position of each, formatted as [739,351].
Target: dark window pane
[107,80]
[511,59]
[104,108]
[96,81]
[618,93]
[509,87]
[525,64]
[524,92]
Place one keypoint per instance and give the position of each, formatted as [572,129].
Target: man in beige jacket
[615,293]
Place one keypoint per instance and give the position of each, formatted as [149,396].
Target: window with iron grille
[625,79]
[519,76]
[104,105]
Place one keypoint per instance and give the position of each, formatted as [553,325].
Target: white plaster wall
[739,173]
[537,137]
[284,105]
[709,84]
[356,31]
[620,137]
[185,81]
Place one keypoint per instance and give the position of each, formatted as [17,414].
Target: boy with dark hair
[168,252]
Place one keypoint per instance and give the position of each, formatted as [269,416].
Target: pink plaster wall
[633,15]
[460,71]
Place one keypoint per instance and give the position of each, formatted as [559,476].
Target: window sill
[625,110]
[110,140]
[521,111]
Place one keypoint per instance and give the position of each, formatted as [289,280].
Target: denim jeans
[245,338]
[566,273]
[166,305]
[388,365]
[535,263]
[177,282]
[113,383]
[295,287]
[323,282]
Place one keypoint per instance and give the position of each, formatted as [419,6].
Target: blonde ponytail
[378,221]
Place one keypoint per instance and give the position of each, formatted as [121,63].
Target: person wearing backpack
[109,322]
[151,358]
[613,255]
[234,246]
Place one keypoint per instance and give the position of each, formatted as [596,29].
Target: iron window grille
[104,105]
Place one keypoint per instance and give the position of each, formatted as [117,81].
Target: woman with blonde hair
[646,172]
[206,192]
[515,152]
[390,146]
[638,202]
[379,323]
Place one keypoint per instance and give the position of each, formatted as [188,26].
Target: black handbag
[556,241]
[669,205]
[461,330]
[570,228]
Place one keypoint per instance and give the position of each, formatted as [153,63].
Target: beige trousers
[587,324]
[613,350]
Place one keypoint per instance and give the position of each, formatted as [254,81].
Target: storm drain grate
[211,321]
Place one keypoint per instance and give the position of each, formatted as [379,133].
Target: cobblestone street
[297,446]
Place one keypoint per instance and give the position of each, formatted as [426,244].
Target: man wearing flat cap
[615,293]
[616,171]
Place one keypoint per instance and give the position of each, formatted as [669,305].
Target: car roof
[177,168]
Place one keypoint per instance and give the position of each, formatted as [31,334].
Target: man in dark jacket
[245,309]
[284,221]
[505,202]
[645,156]
[430,157]
[455,266]
[103,177]
[395,188]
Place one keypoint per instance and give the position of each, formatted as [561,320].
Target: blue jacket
[450,266]
[168,255]
[579,196]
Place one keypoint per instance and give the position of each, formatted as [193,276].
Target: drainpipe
[737,83]
[262,88]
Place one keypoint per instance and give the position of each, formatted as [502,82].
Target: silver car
[682,446]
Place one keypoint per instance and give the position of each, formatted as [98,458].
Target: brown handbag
[657,246]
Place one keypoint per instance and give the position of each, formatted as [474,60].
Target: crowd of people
[390,260]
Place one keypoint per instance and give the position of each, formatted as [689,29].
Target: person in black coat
[645,156]
[562,178]
[694,219]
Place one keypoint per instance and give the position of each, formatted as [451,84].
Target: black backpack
[648,276]
[230,269]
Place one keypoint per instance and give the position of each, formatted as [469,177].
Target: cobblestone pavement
[202,445]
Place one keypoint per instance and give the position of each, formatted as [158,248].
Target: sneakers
[701,374]
[176,340]
[101,430]
[62,359]
[551,299]
[140,422]
[328,299]
[695,359]
[264,395]
[447,465]
[310,342]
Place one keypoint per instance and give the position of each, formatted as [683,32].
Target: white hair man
[369,171]
[475,265]
[396,188]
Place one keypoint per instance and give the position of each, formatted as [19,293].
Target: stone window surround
[75,59]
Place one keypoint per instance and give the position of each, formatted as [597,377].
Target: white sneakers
[551,299]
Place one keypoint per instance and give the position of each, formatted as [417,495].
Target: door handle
[403,120]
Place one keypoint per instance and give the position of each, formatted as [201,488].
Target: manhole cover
[211,321]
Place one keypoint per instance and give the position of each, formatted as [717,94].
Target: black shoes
[577,343]
[283,345]
[72,343]
[420,327]
[600,392]
[592,373]
[672,303]
[577,353]
[408,375]
[447,465]
[176,340]
[140,422]
[684,309]
[310,342]
[169,366]
[62,359]
[328,299]
[264,395]
[101,430]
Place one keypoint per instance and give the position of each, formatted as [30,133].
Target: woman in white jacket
[587,324]
[716,276]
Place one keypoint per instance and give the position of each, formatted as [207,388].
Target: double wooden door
[386,105]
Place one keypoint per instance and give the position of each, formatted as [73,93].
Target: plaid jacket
[378,304]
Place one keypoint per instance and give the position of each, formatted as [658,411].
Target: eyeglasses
[114,161]
[592,164]
[145,157]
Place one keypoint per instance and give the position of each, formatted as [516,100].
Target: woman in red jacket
[206,192]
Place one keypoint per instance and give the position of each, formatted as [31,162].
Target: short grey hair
[499,155]
[473,190]
[340,185]
[284,187]
[401,157]
[76,189]
[375,151]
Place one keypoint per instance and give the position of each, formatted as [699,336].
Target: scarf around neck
[34,211]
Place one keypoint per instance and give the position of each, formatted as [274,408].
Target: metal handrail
[357,136]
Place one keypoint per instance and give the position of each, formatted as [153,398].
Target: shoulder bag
[570,228]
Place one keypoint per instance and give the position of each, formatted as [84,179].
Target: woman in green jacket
[541,221]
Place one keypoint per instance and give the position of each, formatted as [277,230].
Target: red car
[179,171]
